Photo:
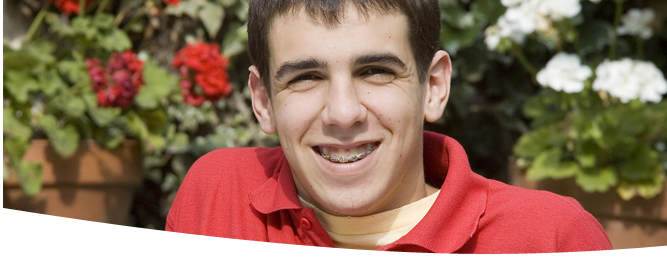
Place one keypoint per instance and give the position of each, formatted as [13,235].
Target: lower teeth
[348,159]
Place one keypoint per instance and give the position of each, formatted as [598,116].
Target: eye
[378,75]
[302,77]
[377,71]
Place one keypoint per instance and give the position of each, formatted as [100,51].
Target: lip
[348,170]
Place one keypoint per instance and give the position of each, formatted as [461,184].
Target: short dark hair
[423,25]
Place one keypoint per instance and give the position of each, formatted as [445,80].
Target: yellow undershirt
[373,231]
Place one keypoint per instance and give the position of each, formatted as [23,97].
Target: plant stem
[134,19]
[82,8]
[101,7]
[35,23]
[640,48]
[617,21]
[577,48]
[518,53]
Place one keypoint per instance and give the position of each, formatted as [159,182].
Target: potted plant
[81,108]
[599,120]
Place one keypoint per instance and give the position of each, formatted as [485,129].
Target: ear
[261,102]
[437,91]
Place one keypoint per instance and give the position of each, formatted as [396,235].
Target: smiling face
[348,107]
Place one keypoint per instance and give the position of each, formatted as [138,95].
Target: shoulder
[220,181]
[251,165]
[539,221]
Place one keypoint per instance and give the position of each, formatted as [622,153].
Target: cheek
[394,107]
[295,114]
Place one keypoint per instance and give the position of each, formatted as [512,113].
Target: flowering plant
[599,119]
[78,80]
[201,65]
[112,70]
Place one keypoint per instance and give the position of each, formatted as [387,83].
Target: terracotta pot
[635,223]
[94,184]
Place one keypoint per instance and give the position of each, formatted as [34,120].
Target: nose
[343,105]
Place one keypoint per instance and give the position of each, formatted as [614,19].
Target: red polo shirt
[248,193]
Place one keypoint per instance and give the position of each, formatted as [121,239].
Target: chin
[351,205]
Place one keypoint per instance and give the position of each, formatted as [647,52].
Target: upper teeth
[344,158]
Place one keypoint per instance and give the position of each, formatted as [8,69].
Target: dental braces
[348,159]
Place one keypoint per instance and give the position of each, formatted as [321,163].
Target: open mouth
[339,155]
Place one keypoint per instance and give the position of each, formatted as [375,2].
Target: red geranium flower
[118,83]
[172,2]
[202,64]
[68,6]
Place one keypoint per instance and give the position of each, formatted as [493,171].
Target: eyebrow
[380,58]
[310,63]
[292,66]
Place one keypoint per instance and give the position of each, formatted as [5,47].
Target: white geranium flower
[509,3]
[520,18]
[628,79]
[637,22]
[524,17]
[493,37]
[558,9]
[564,72]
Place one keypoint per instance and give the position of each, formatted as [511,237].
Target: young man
[347,86]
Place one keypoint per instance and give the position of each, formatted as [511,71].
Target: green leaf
[241,10]
[30,177]
[532,144]
[652,188]
[74,107]
[156,142]
[110,137]
[103,20]
[137,126]
[82,26]
[227,3]
[51,83]
[19,84]
[491,10]
[185,7]
[74,71]
[626,190]
[587,153]
[13,60]
[117,40]
[179,144]
[64,140]
[211,15]
[236,40]
[15,149]
[641,166]
[181,163]
[159,84]
[59,26]
[102,116]
[453,39]
[596,180]
[150,142]
[169,182]
[548,164]
[13,127]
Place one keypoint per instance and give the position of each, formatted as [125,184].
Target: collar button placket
[305,223]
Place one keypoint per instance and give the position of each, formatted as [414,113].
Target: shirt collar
[454,217]
[278,192]
[449,224]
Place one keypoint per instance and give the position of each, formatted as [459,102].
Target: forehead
[296,33]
